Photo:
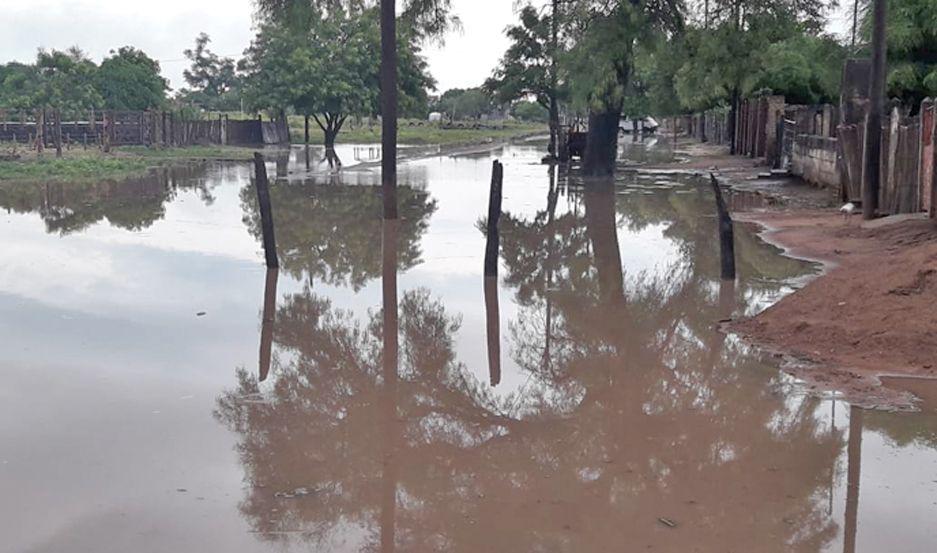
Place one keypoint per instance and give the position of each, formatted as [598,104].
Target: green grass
[80,164]
[411,133]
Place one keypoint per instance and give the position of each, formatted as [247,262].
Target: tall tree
[130,80]
[530,68]
[66,81]
[602,64]
[323,64]
[211,79]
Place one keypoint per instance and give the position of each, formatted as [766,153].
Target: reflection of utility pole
[873,131]
[853,473]
[389,413]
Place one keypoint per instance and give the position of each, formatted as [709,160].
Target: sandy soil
[872,313]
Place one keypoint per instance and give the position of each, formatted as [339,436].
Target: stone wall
[815,159]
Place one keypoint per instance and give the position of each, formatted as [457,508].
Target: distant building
[435,117]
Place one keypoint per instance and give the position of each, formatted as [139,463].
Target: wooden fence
[47,129]
[819,145]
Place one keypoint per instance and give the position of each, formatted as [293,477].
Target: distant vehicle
[645,125]
[435,117]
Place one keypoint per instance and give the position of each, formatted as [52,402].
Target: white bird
[847,210]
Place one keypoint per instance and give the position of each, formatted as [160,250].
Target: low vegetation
[19,164]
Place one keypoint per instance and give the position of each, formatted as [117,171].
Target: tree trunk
[389,107]
[601,143]
[306,130]
[554,126]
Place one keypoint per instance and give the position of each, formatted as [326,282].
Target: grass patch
[411,132]
[126,161]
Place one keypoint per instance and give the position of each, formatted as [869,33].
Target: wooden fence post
[494,214]
[57,131]
[726,233]
[40,135]
[933,162]
[266,212]
[106,132]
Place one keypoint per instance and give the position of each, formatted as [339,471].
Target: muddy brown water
[138,322]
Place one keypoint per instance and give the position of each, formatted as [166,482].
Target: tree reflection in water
[328,232]
[131,204]
[637,409]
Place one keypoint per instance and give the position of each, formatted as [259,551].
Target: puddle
[620,415]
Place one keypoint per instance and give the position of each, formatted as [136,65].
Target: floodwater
[161,391]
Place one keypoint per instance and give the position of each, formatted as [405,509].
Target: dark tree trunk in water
[601,143]
[602,228]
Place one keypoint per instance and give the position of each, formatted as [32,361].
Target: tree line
[604,59]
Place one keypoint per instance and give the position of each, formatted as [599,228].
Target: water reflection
[637,410]
[328,233]
[133,204]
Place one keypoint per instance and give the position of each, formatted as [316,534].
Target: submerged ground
[133,415]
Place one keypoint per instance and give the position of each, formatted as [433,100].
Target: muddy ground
[872,311]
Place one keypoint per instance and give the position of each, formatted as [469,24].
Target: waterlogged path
[133,416]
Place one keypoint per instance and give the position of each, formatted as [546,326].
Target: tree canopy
[130,80]
[325,63]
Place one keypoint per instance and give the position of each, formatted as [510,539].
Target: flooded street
[161,391]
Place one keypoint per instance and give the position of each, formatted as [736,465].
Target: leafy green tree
[130,80]
[462,103]
[529,68]
[19,85]
[912,47]
[530,111]
[735,44]
[602,64]
[325,64]
[66,81]
[212,80]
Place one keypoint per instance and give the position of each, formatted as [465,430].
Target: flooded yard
[162,391]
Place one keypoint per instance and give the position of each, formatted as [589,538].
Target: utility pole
[855,22]
[873,129]
[389,107]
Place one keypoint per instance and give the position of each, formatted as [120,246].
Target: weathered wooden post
[57,131]
[106,132]
[726,232]
[266,325]
[494,214]
[933,163]
[40,136]
[266,213]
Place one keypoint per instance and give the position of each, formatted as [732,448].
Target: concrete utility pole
[389,107]
[873,130]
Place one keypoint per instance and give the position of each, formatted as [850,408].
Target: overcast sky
[163,28]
